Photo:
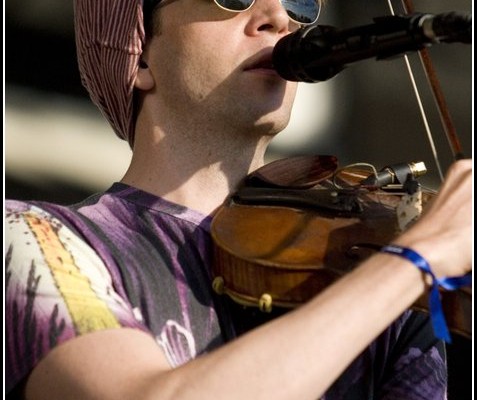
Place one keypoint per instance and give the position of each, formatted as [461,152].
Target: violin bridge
[409,209]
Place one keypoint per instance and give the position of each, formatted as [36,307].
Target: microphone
[319,52]
[397,174]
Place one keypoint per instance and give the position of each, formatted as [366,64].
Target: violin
[297,225]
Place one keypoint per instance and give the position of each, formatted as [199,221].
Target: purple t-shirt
[126,258]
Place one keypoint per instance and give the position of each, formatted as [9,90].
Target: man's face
[215,64]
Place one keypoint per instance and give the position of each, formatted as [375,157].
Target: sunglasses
[303,12]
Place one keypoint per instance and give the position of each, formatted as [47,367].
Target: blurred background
[59,148]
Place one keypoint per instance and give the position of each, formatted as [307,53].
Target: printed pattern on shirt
[55,288]
[87,311]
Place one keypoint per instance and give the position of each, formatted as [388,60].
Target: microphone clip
[402,175]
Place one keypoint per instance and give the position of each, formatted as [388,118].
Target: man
[111,298]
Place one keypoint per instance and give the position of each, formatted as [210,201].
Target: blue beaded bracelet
[435,306]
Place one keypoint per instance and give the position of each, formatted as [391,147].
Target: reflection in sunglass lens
[302,11]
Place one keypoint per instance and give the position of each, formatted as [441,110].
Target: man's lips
[264,62]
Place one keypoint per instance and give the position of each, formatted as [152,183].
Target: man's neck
[197,172]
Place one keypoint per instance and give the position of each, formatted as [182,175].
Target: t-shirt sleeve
[56,288]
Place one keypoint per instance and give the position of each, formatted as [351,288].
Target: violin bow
[446,120]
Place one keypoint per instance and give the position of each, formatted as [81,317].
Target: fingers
[444,232]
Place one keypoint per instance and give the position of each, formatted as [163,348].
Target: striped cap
[109,41]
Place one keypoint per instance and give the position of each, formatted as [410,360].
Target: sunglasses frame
[149,5]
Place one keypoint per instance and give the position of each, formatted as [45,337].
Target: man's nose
[270,15]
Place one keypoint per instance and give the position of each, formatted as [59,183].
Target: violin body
[278,245]
[289,253]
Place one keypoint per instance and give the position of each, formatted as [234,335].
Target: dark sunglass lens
[302,11]
[234,5]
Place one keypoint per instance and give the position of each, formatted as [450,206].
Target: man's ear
[144,79]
